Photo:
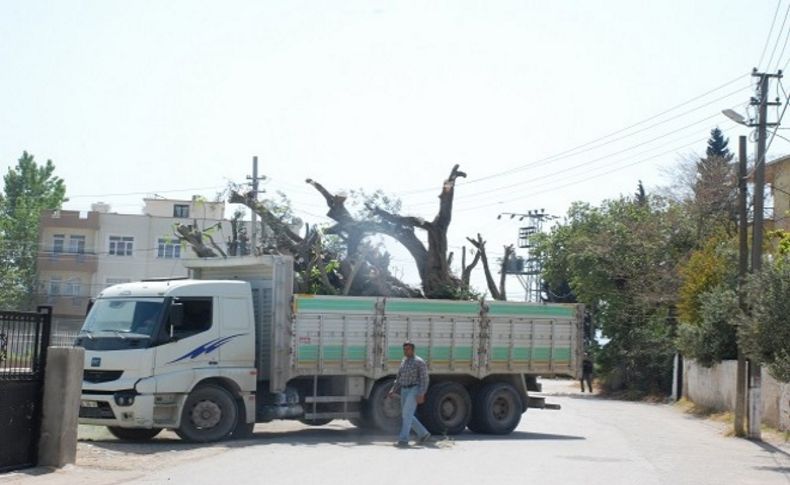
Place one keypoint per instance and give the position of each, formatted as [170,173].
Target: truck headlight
[124,399]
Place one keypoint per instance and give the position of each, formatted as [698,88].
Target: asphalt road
[590,441]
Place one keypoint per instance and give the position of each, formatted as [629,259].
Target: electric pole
[743,268]
[754,406]
[755,372]
[254,179]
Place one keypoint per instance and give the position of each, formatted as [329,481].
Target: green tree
[29,188]
[715,189]
[621,260]
[764,333]
[707,307]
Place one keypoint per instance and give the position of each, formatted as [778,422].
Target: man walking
[587,372]
[412,384]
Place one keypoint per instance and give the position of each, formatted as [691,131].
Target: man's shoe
[425,439]
[402,444]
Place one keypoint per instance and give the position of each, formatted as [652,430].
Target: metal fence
[24,338]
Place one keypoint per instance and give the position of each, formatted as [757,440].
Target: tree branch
[480,245]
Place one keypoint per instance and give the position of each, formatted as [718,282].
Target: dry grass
[727,418]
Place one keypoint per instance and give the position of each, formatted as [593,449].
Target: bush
[765,332]
[712,339]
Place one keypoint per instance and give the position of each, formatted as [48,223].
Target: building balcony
[70,262]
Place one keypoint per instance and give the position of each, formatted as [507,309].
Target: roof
[176,288]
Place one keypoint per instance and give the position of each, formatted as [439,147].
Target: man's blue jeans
[408,405]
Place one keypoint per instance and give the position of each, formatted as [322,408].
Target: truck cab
[149,345]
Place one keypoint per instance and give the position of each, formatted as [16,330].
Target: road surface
[590,441]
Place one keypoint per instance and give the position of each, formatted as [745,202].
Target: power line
[770,33]
[617,132]
[778,37]
[584,179]
[585,163]
[782,53]
[167,191]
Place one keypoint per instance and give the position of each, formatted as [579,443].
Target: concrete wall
[62,386]
[715,388]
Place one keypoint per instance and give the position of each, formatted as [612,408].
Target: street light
[735,116]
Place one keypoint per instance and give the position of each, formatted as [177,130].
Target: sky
[541,103]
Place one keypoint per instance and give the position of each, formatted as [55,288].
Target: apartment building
[80,253]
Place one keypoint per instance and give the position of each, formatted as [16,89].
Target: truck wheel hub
[500,408]
[449,408]
[206,414]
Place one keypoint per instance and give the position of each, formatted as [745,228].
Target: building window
[121,245]
[77,244]
[54,286]
[58,243]
[72,287]
[181,210]
[168,249]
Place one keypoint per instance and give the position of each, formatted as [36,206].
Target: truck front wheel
[209,415]
[447,408]
[133,434]
[496,410]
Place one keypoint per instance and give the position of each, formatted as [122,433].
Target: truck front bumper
[130,410]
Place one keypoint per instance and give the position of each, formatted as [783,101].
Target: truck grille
[96,376]
[101,411]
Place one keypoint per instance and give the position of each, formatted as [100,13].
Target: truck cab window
[197,317]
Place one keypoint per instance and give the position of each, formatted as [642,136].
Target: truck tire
[209,415]
[447,408]
[316,422]
[384,412]
[133,434]
[497,409]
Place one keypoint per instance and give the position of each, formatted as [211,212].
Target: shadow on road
[771,449]
[309,437]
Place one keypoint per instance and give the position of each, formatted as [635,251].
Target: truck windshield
[122,316]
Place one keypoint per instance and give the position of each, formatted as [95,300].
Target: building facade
[777,176]
[81,253]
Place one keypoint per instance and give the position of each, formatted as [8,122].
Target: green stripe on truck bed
[335,304]
[499,309]
[332,353]
[436,306]
[522,354]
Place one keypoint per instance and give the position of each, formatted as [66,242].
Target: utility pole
[743,268]
[254,179]
[755,372]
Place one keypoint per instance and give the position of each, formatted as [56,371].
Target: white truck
[232,346]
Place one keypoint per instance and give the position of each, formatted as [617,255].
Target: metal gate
[24,338]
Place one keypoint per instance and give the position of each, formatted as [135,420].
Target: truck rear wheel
[209,415]
[382,411]
[497,409]
[133,434]
[447,408]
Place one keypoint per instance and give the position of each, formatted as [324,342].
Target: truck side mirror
[176,317]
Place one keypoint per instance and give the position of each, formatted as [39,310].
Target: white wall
[715,388]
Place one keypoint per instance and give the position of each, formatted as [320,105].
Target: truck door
[196,338]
